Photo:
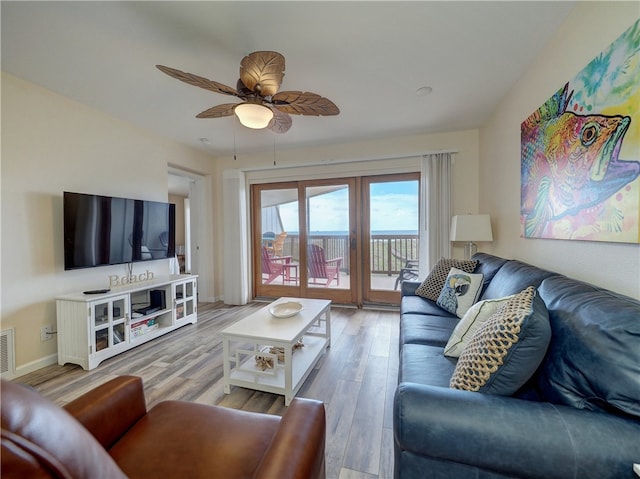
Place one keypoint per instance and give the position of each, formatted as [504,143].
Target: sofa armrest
[408,288]
[109,410]
[513,437]
[297,449]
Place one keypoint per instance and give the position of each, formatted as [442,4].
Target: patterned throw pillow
[507,349]
[432,285]
[471,321]
[460,291]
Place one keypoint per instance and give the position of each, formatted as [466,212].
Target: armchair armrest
[109,410]
[297,449]
[513,437]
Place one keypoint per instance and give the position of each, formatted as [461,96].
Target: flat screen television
[105,230]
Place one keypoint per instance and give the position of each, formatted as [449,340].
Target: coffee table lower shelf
[273,380]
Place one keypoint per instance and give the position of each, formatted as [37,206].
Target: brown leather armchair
[108,433]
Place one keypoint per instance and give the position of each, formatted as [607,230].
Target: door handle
[353,243]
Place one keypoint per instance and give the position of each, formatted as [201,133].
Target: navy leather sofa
[577,417]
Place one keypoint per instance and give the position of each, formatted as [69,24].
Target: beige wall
[588,30]
[51,144]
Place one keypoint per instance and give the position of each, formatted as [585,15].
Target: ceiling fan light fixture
[263,104]
[253,115]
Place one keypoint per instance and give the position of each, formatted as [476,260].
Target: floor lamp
[470,228]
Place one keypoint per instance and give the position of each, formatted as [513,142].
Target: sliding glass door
[389,235]
[351,240]
[304,239]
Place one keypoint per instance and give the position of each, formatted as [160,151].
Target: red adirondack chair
[274,267]
[321,268]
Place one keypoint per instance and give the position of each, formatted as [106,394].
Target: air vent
[7,354]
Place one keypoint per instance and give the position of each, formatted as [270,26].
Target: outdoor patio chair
[277,247]
[274,267]
[268,238]
[320,268]
[408,273]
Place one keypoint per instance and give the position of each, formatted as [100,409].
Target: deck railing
[389,252]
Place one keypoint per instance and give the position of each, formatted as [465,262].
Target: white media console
[95,327]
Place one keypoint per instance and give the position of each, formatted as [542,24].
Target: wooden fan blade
[218,111]
[262,72]
[304,103]
[198,81]
[281,121]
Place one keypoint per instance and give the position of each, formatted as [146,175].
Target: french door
[304,239]
[345,239]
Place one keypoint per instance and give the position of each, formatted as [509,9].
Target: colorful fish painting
[574,182]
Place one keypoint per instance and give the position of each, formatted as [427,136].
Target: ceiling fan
[263,106]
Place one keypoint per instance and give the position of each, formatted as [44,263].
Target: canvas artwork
[580,152]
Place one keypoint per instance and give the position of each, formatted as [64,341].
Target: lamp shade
[471,228]
[253,115]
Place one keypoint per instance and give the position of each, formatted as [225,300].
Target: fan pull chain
[274,151]
[234,139]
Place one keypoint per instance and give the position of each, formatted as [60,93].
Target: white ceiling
[367,57]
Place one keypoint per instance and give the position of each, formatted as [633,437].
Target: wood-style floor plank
[366,430]
[340,413]
[356,379]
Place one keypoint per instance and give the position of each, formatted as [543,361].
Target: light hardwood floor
[356,378]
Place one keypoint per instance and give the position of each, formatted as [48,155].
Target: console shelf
[92,328]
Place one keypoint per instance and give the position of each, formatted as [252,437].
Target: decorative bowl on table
[286,309]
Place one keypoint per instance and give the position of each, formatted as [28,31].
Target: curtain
[435,219]
[235,239]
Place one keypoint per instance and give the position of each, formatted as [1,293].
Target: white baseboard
[35,365]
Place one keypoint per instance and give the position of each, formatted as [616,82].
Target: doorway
[190,192]
[344,239]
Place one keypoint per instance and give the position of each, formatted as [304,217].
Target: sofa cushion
[513,277]
[423,329]
[488,266]
[593,360]
[460,291]
[472,320]
[425,364]
[432,285]
[507,349]
[419,305]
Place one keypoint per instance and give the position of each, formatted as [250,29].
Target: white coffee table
[250,336]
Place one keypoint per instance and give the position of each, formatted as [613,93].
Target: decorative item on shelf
[143,327]
[470,228]
[265,361]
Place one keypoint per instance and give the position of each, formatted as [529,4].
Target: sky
[394,207]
